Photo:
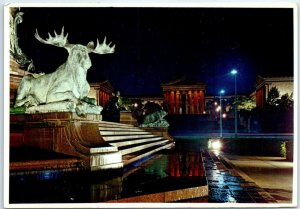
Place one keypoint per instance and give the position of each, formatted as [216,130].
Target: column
[257,98]
[201,106]
[172,101]
[102,100]
[196,102]
[169,103]
[180,103]
[106,98]
[267,89]
[183,102]
[265,94]
[98,96]
[177,102]
[186,104]
[191,103]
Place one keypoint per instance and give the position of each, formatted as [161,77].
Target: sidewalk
[273,174]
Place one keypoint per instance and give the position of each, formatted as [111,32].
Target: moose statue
[66,89]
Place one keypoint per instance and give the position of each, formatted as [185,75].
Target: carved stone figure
[155,119]
[16,17]
[66,89]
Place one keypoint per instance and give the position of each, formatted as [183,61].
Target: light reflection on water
[168,170]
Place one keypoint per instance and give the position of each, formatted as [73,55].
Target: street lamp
[221,92]
[234,73]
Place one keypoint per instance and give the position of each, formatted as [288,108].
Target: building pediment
[183,84]
[260,81]
[103,86]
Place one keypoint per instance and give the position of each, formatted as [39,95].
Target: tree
[286,101]
[245,103]
[278,114]
[273,96]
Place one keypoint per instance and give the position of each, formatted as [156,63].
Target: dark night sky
[158,45]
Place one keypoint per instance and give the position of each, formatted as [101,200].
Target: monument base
[127,118]
[65,132]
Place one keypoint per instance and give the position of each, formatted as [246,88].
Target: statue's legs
[23,96]
[62,106]
[28,101]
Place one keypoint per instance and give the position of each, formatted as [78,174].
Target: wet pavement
[272,173]
[227,186]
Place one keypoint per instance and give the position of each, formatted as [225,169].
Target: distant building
[184,97]
[285,85]
[101,91]
[144,100]
[213,102]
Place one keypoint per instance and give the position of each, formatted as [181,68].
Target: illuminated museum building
[184,97]
[101,91]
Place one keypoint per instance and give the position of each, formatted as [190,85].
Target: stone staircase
[133,143]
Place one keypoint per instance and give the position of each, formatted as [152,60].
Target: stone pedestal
[66,133]
[126,118]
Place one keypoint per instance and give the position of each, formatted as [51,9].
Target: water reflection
[186,164]
[65,188]
[167,171]
[108,190]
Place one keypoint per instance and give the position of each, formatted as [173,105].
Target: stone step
[106,149]
[116,128]
[126,137]
[123,133]
[135,142]
[112,124]
[131,149]
[133,157]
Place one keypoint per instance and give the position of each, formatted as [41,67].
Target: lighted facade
[101,91]
[184,97]
[285,85]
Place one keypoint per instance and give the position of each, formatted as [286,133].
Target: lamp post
[221,92]
[234,73]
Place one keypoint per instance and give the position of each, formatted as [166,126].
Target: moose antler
[58,40]
[61,41]
[103,48]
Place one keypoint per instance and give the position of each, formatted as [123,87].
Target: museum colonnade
[184,101]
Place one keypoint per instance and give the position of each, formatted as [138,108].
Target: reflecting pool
[166,172]
[187,173]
